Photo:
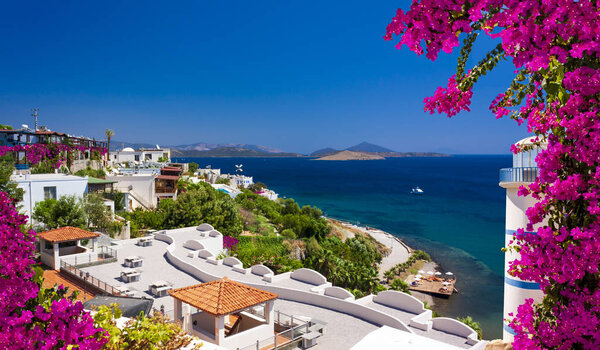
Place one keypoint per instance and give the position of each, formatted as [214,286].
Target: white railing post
[275,341]
[257,346]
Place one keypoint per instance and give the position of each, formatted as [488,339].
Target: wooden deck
[432,287]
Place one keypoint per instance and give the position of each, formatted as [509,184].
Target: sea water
[459,220]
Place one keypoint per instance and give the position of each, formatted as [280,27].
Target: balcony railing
[88,279]
[528,174]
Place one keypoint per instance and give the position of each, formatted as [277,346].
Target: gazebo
[63,241]
[219,312]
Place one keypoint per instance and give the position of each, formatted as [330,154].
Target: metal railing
[104,255]
[87,278]
[294,329]
[528,174]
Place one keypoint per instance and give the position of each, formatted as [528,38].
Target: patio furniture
[133,261]
[310,339]
[130,275]
[145,241]
[160,288]
[125,290]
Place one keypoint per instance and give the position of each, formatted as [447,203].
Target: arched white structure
[523,172]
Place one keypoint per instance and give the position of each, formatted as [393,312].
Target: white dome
[531,140]
[127,149]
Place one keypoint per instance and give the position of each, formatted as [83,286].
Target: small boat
[417,191]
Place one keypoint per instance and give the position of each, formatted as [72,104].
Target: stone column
[178,310]
[55,251]
[219,329]
[269,313]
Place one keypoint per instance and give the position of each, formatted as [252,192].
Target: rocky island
[350,155]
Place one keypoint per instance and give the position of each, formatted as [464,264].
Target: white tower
[524,171]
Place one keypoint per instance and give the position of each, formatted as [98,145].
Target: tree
[223,180]
[192,167]
[97,213]
[473,324]
[7,166]
[554,46]
[400,285]
[257,187]
[142,332]
[109,134]
[66,211]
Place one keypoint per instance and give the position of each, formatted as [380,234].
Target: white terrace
[184,257]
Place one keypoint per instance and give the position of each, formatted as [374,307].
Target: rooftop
[95,180]
[222,297]
[46,177]
[53,277]
[130,307]
[66,233]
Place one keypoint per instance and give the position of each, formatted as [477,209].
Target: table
[133,261]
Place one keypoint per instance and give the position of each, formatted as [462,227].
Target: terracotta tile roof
[168,177]
[221,297]
[53,277]
[66,233]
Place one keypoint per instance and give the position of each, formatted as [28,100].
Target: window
[50,192]
[148,156]
[137,157]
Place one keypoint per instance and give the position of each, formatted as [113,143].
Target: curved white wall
[309,276]
[338,292]
[193,244]
[205,227]
[399,300]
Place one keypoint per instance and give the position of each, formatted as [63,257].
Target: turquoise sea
[459,220]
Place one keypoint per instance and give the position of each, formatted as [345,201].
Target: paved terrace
[174,258]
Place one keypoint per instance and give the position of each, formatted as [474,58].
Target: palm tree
[389,275]
[109,134]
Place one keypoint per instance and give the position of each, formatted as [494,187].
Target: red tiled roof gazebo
[221,318]
[63,241]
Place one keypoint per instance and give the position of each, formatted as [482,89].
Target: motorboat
[417,191]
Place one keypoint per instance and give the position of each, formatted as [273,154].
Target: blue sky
[295,75]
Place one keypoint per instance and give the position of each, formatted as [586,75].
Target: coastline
[399,252]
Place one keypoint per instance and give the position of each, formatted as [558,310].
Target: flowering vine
[32,317]
[554,46]
[57,153]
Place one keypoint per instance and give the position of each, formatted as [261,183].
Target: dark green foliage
[257,187]
[416,255]
[473,324]
[91,172]
[420,255]
[192,167]
[199,203]
[65,211]
[223,180]
[399,285]
[97,213]
[7,166]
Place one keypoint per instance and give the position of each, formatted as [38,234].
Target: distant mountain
[119,145]
[351,155]
[229,152]
[369,147]
[202,146]
[324,152]
[375,150]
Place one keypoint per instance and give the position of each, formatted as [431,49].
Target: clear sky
[295,75]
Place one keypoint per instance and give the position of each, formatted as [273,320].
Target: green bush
[399,285]
[473,324]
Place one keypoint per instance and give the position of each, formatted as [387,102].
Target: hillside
[349,155]
[370,148]
[375,150]
[323,152]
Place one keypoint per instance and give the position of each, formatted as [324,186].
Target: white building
[210,175]
[238,181]
[39,187]
[232,192]
[523,172]
[269,194]
[138,188]
[149,155]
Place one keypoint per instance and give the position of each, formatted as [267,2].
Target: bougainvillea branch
[554,46]
[32,317]
[57,153]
